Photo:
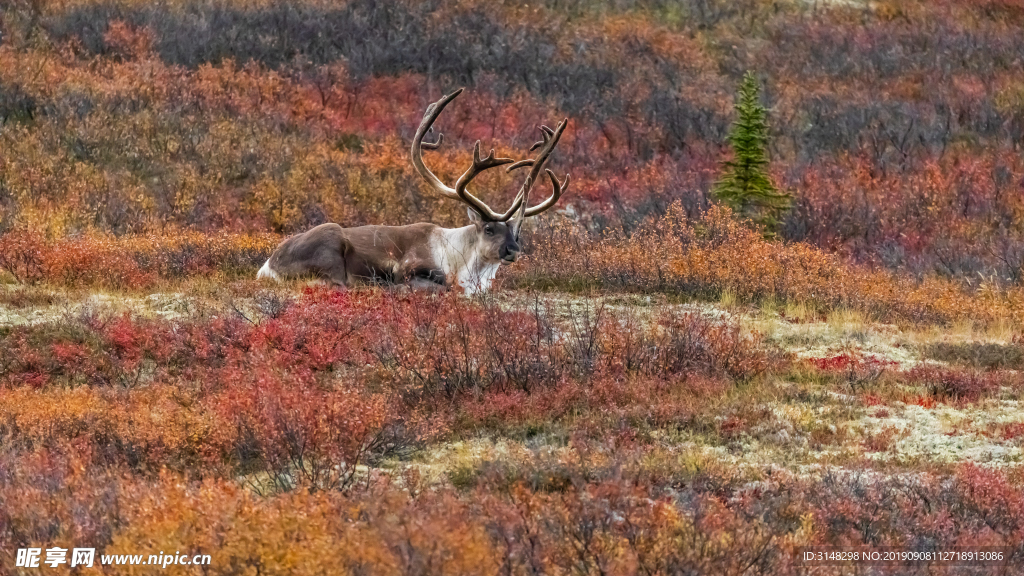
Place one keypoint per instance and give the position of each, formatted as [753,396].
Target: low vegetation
[596,431]
[658,386]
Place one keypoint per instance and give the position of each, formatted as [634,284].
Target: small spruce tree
[745,186]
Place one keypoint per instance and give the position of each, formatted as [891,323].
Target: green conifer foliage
[745,186]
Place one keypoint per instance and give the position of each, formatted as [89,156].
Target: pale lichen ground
[884,343]
[948,434]
[172,305]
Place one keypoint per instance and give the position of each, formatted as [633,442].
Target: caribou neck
[457,252]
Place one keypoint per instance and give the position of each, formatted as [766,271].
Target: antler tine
[522,201]
[427,124]
[548,133]
[547,145]
[520,164]
[557,189]
[479,165]
[433,145]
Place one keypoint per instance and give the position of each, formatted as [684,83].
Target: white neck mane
[455,250]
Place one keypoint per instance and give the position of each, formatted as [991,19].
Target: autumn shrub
[1011,431]
[339,378]
[984,355]
[144,430]
[882,440]
[882,511]
[638,404]
[713,254]
[452,348]
[325,331]
[129,262]
[27,297]
[21,256]
[56,495]
[117,120]
[714,348]
[612,527]
[296,533]
[604,510]
[299,432]
[557,519]
[956,384]
[857,371]
[88,263]
[122,351]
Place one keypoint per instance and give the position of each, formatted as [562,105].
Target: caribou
[424,255]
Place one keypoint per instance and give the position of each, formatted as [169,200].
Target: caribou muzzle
[509,252]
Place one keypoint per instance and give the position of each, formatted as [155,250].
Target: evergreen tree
[745,186]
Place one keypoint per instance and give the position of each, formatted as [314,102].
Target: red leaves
[335,374]
[291,402]
[838,362]
[327,329]
[69,353]
[856,368]
[955,384]
[299,431]
[713,254]
[1012,431]
[713,347]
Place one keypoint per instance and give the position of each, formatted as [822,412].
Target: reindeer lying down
[424,255]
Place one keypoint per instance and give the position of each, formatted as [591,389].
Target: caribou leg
[337,271]
[428,279]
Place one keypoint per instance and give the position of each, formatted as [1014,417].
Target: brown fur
[365,254]
[385,255]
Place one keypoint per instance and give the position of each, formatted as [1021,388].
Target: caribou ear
[474,216]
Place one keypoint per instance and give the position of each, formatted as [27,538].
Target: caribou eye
[489,231]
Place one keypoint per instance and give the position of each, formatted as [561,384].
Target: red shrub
[21,255]
[954,383]
[839,362]
[873,400]
[1013,431]
[280,395]
[299,431]
[326,329]
[713,347]
[56,496]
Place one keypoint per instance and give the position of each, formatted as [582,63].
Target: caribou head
[424,255]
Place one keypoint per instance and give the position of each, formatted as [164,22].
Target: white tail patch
[266,272]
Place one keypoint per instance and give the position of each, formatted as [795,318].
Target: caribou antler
[547,145]
[479,165]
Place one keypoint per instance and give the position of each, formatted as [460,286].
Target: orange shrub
[710,255]
[299,432]
[129,262]
[147,429]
